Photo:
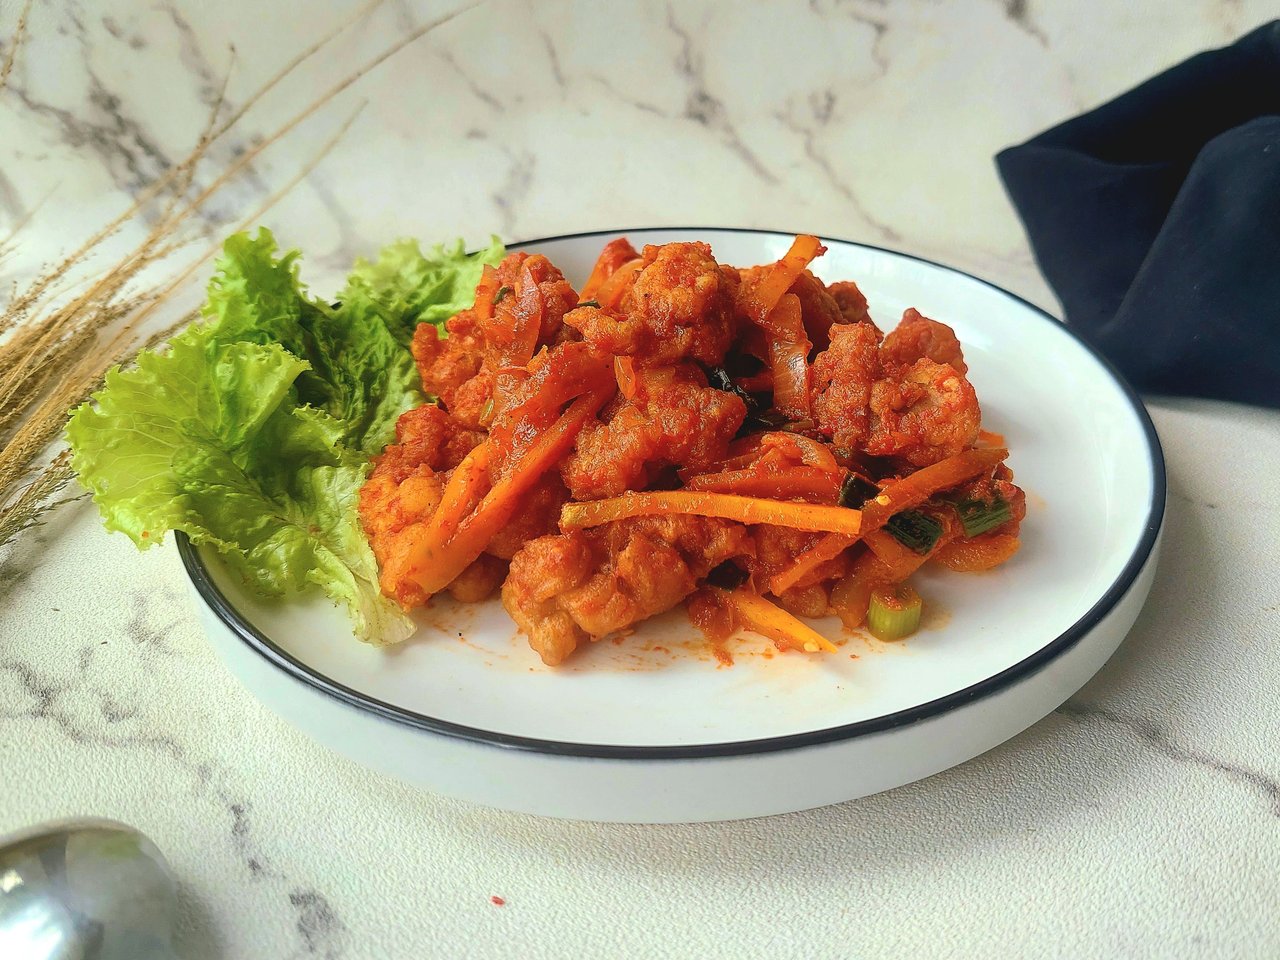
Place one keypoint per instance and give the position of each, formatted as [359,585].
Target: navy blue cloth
[1156,220]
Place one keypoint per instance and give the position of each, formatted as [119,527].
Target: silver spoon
[85,890]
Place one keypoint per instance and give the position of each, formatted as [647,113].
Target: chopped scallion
[979,516]
[501,295]
[589,303]
[894,612]
[915,530]
[856,491]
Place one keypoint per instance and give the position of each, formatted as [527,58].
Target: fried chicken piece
[843,377]
[461,368]
[586,584]
[478,581]
[405,485]
[917,336]
[852,304]
[818,309]
[539,515]
[447,364]
[556,296]
[776,549]
[675,419]
[679,306]
[921,412]
[387,505]
[428,435]
[925,413]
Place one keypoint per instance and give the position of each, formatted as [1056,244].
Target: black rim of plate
[274,655]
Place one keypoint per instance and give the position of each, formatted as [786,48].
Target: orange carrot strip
[782,275]
[828,548]
[806,483]
[902,495]
[611,290]
[918,487]
[615,254]
[434,567]
[486,290]
[624,372]
[775,623]
[465,487]
[780,513]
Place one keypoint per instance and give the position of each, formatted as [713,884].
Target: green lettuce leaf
[359,372]
[253,432]
[209,439]
[413,287]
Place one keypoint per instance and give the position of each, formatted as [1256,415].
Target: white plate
[650,729]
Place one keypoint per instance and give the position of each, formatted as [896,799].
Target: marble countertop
[1141,819]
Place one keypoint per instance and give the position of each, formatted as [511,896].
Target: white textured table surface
[1142,819]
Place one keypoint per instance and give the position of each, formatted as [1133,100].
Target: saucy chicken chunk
[680,305]
[584,585]
[891,399]
[674,419]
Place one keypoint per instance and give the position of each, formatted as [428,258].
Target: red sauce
[497,901]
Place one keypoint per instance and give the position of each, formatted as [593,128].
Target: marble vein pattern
[122,728]
[863,119]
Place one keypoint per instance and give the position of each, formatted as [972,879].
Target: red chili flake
[497,901]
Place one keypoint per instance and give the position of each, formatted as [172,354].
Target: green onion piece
[589,303]
[486,411]
[979,516]
[915,530]
[894,612]
[501,295]
[856,491]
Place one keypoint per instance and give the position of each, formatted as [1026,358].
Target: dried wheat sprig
[55,365]
[360,13]
[32,502]
[21,379]
[288,126]
[21,353]
[46,420]
[143,254]
[18,33]
[44,423]
[248,221]
[60,361]
[22,302]
[6,245]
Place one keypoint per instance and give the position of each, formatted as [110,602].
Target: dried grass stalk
[56,347]
[36,498]
[19,32]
